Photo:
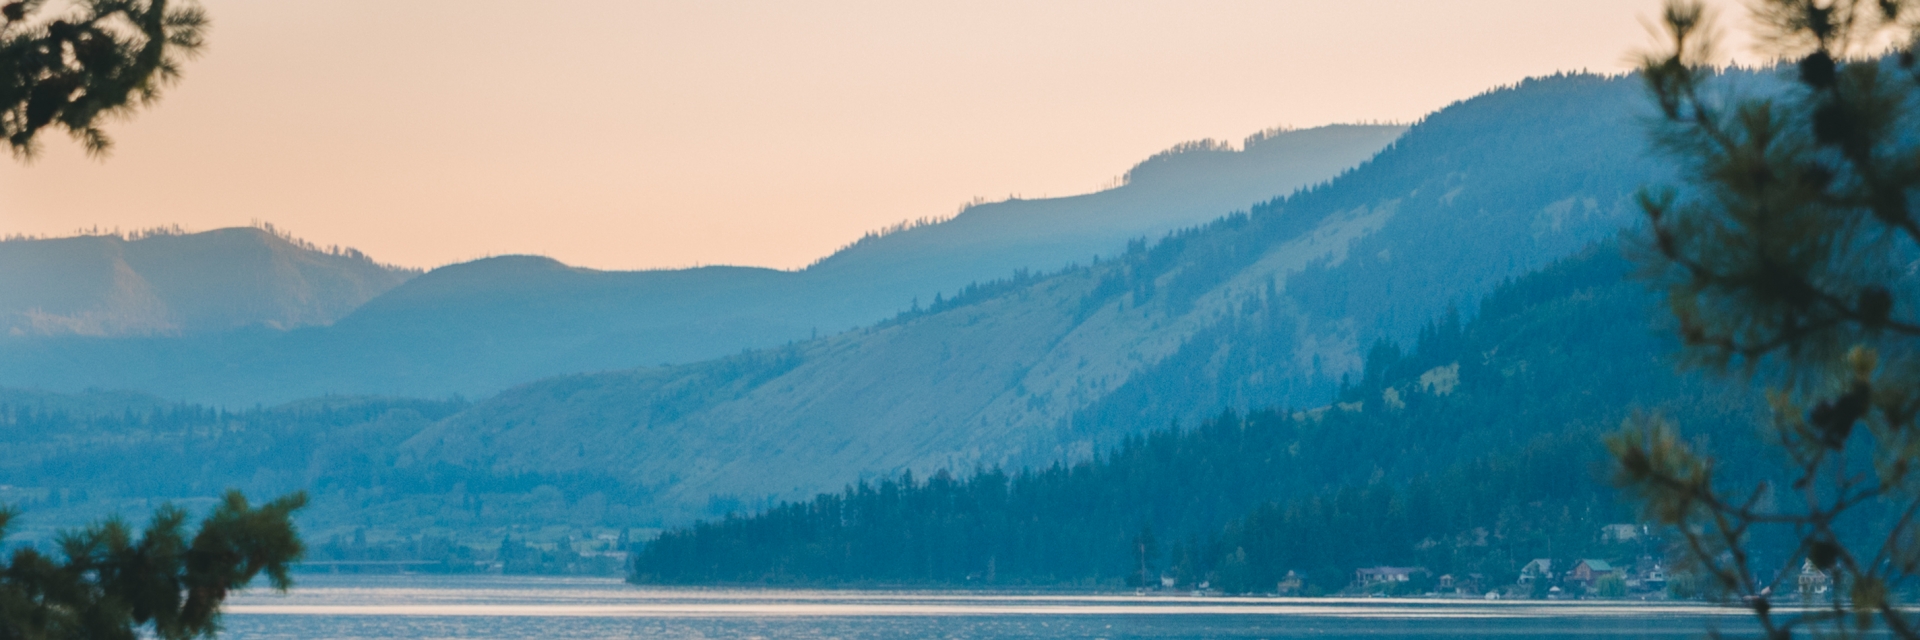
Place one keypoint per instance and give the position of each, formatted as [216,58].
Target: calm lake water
[325,606]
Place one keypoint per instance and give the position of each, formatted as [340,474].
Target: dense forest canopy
[1473,451]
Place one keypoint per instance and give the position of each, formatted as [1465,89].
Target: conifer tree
[74,69]
[108,584]
[1787,259]
[71,70]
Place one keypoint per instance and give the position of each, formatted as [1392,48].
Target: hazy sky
[637,134]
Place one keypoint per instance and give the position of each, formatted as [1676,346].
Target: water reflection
[512,607]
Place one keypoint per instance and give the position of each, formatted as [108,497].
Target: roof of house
[1389,571]
[1597,565]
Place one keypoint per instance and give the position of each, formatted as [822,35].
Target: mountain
[1282,309]
[172,284]
[1188,185]
[479,327]
[1036,368]
[1473,451]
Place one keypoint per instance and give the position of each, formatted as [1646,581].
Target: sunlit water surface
[325,606]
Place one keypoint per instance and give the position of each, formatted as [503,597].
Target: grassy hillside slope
[479,327]
[1485,190]
[1474,451]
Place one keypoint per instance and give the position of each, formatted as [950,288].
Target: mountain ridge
[172,283]
[509,320]
[1476,194]
[1286,307]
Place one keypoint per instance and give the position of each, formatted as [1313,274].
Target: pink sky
[626,134]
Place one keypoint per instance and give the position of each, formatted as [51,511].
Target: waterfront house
[1621,532]
[1291,585]
[1588,570]
[1467,585]
[1385,575]
[1538,569]
[1647,576]
[1813,582]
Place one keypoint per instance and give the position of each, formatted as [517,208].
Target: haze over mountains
[171,284]
[479,327]
[1031,362]
[1267,309]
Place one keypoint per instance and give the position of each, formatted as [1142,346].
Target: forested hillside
[1280,318]
[1043,366]
[1474,451]
[71,459]
[479,327]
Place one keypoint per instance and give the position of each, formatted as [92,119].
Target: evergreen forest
[1470,452]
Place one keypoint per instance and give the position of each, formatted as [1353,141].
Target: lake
[410,606]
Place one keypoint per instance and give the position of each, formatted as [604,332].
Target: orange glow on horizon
[625,135]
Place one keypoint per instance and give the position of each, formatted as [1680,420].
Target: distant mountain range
[174,284]
[1271,308]
[479,327]
[1469,451]
[1038,355]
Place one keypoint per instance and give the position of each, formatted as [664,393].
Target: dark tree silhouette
[71,70]
[111,585]
[99,59]
[1787,258]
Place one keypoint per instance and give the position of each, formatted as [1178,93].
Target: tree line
[1474,451]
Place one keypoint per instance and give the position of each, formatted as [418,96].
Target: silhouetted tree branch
[1788,257]
[111,585]
[100,59]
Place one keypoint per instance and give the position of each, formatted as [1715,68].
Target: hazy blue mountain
[1185,186]
[1471,451]
[177,283]
[1034,368]
[479,327]
[1274,307]
[86,404]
